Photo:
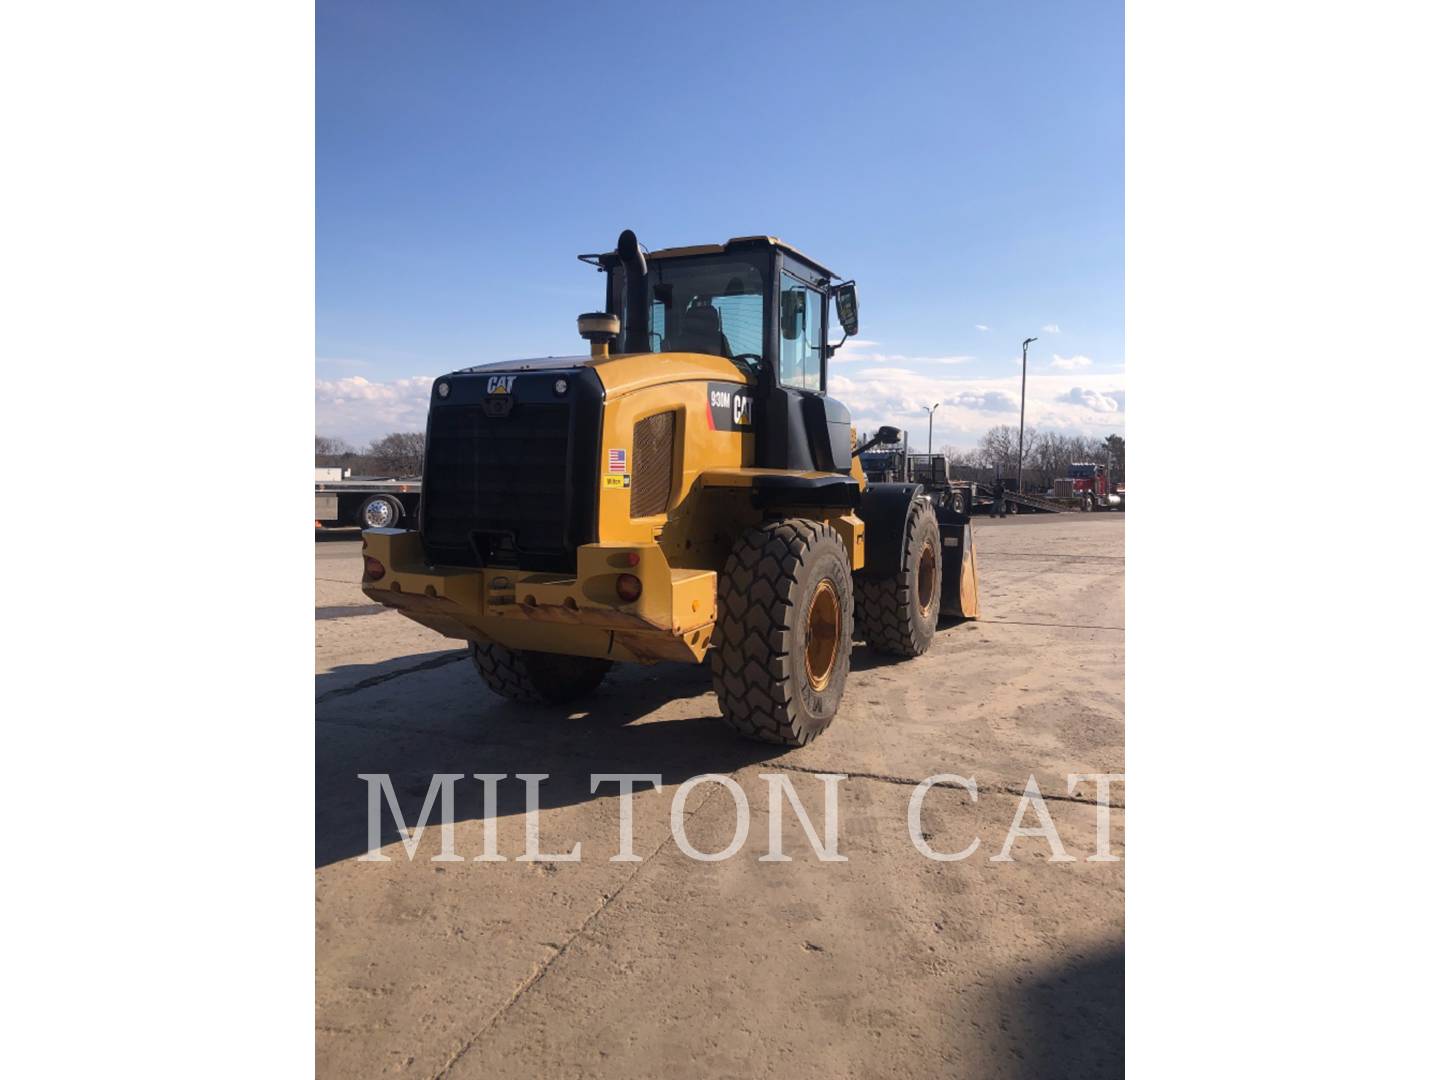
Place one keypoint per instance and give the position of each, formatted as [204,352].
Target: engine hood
[543,363]
[626,372]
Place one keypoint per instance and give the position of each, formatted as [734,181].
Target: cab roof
[736,243]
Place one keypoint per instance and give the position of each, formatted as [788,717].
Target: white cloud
[1069,363]
[358,410]
[1050,328]
[883,390]
[981,326]
[1089,404]
[986,401]
[1108,401]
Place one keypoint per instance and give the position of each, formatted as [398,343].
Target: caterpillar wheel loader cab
[688,489]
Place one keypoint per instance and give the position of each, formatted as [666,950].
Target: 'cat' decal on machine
[732,408]
[500,384]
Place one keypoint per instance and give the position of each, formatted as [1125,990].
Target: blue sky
[963,161]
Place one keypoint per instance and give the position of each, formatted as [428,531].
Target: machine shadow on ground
[1068,1020]
[470,730]
[863,658]
[444,720]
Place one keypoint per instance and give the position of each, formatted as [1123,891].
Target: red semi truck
[1087,486]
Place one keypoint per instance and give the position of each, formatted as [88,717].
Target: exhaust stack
[637,318]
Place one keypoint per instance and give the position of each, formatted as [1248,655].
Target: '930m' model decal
[732,408]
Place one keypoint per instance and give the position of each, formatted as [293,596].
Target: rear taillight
[627,586]
[374,568]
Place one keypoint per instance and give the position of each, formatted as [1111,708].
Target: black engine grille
[495,486]
[654,450]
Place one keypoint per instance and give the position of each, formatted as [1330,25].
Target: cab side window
[801,354]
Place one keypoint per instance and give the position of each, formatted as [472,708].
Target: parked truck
[371,502]
[1087,486]
[888,464]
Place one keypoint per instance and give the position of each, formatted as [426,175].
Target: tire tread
[883,607]
[755,652]
[511,674]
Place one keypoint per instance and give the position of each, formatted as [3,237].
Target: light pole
[930,442]
[1020,465]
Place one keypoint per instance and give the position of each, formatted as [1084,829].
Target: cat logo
[500,384]
[732,408]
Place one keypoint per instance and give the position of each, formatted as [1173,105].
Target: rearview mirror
[847,306]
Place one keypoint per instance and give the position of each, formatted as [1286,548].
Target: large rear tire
[897,614]
[537,677]
[783,633]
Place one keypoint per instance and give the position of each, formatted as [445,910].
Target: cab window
[707,305]
[801,354]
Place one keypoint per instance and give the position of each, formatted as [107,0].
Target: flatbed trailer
[370,502]
[1040,503]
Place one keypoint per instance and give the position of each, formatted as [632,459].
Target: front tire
[782,636]
[537,677]
[897,614]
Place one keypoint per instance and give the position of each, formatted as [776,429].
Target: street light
[1020,465]
[930,445]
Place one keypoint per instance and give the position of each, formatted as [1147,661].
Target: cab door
[802,328]
[803,369]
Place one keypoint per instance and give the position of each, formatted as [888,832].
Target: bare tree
[973,458]
[329,446]
[1115,447]
[998,447]
[1048,454]
[401,453]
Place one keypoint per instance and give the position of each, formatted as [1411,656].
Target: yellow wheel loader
[687,489]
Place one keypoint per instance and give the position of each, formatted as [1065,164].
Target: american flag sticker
[615,461]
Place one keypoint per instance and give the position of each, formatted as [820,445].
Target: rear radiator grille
[654,444]
[496,476]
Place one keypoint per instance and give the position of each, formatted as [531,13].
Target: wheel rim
[822,635]
[925,579]
[378,514]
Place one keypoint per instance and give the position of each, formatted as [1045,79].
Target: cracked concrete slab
[884,965]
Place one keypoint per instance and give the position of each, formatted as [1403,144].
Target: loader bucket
[959,579]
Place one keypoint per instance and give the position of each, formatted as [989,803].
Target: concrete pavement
[886,964]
